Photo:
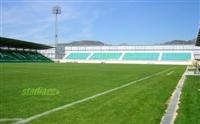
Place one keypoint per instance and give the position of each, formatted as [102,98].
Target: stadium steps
[106,56]
[77,56]
[141,56]
[130,56]
[176,56]
[22,56]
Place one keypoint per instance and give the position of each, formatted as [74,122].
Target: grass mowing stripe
[74,81]
[139,103]
[88,98]
[189,108]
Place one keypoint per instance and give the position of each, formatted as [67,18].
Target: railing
[134,48]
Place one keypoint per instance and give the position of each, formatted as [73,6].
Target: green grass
[189,111]
[139,103]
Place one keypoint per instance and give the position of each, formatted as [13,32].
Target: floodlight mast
[56,11]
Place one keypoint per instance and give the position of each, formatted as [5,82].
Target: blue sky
[110,21]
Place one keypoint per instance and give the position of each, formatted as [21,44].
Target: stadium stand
[176,56]
[12,50]
[198,39]
[141,56]
[105,56]
[77,56]
[130,56]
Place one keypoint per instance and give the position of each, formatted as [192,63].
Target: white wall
[128,62]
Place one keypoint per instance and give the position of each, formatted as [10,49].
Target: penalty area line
[87,98]
[10,119]
[170,73]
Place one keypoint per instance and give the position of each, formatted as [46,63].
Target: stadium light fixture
[56,11]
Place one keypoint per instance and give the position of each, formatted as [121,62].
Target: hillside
[179,42]
[99,43]
[85,43]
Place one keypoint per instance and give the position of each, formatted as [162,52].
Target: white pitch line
[10,119]
[86,99]
[170,73]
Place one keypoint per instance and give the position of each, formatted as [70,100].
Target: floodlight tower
[56,11]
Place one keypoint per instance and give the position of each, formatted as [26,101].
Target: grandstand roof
[14,43]
[198,39]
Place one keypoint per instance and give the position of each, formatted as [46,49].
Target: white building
[152,54]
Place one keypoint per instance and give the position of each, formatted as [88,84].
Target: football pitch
[190,101]
[86,93]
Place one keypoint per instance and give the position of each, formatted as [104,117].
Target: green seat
[106,56]
[176,56]
[22,56]
[77,56]
[141,56]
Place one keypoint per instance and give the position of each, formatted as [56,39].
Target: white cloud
[34,21]
[88,24]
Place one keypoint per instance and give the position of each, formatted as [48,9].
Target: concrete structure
[108,54]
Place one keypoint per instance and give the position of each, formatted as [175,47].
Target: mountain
[179,42]
[124,44]
[85,43]
[99,43]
